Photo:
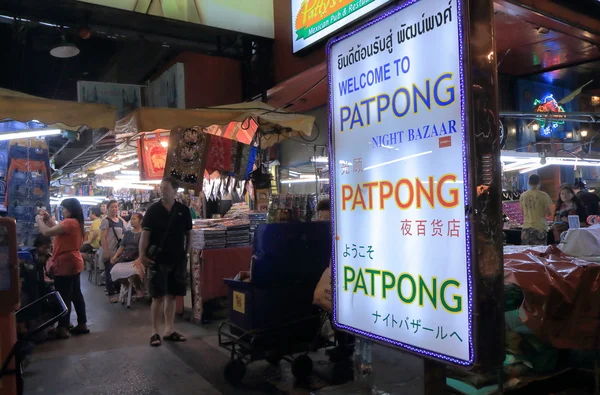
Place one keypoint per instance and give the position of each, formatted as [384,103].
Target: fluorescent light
[108,169]
[570,135]
[532,168]
[128,155]
[30,133]
[129,162]
[300,180]
[398,160]
[124,180]
[129,177]
[584,133]
[319,159]
[124,185]
[89,200]
[130,172]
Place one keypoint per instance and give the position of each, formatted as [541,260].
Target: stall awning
[236,121]
[57,113]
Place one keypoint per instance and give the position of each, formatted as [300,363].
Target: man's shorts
[170,279]
[534,237]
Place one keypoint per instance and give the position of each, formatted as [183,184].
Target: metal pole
[60,150]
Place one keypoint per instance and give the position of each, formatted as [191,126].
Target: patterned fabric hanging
[219,154]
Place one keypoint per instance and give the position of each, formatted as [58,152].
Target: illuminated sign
[548,105]
[251,17]
[402,263]
[314,20]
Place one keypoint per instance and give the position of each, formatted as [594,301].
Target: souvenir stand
[26,161]
[21,113]
[213,151]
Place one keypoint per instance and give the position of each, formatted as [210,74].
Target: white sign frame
[466,356]
[334,23]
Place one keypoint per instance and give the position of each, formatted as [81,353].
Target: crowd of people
[156,245]
[536,206]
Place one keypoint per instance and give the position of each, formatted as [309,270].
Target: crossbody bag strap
[112,225]
[164,238]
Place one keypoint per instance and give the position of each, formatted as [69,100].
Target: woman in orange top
[66,263]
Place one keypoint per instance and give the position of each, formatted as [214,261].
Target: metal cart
[290,341]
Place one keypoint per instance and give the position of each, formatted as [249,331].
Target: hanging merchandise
[220,154]
[230,156]
[186,157]
[27,182]
[239,131]
[152,154]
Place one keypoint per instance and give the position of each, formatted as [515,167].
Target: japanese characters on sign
[401,265]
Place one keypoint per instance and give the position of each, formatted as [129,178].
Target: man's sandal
[175,337]
[155,340]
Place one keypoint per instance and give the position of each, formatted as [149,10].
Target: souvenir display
[152,158]
[186,158]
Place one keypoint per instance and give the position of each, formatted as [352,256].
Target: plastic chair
[54,299]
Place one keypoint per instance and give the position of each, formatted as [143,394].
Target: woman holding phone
[66,263]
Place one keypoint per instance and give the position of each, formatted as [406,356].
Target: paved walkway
[116,359]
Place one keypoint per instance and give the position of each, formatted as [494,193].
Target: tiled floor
[116,359]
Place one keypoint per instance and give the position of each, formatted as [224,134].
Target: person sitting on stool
[93,241]
[345,342]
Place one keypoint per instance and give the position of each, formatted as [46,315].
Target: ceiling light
[108,169]
[129,162]
[29,133]
[64,49]
[319,159]
[570,135]
[299,180]
[583,133]
[164,144]
[131,172]
[134,177]
[536,127]
[122,184]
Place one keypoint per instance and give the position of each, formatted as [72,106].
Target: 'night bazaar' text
[406,287]
[405,193]
[441,92]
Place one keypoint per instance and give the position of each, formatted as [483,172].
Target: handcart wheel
[302,367]
[273,357]
[234,371]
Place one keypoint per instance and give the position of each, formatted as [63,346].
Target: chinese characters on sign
[435,227]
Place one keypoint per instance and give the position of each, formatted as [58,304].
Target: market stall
[212,152]
[27,125]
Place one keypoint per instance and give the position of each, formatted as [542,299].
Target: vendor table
[209,268]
